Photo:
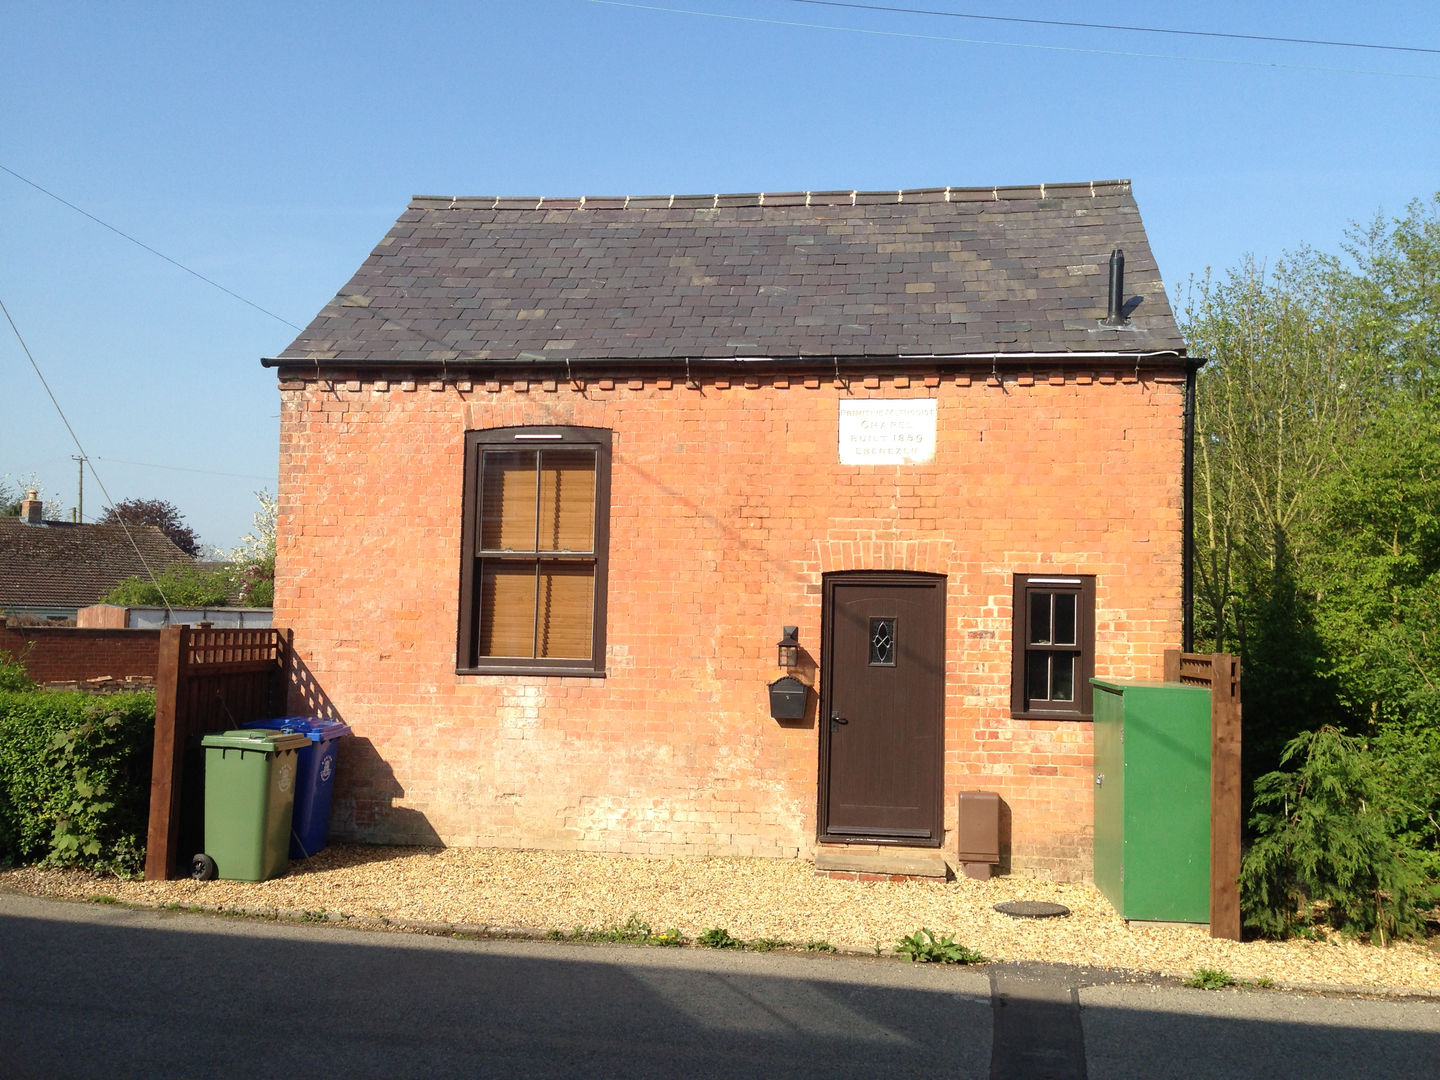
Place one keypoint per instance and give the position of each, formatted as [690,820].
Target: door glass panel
[1062,676]
[1040,618]
[1037,676]
[1064,618]
[882,642]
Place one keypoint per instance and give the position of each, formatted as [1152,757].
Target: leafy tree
[1284,386]
[163,515]
[253,559]
[14,489]
[1397,292]
[1317,539]
[1380,608]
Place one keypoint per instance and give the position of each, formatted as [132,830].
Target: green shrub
[1210,979]
[717,937]
[13,675]
[181,584]
[1326,847]
[257,590]
[75,778]
[923,947]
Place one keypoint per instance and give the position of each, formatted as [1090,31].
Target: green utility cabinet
[249,799]
[1152,799]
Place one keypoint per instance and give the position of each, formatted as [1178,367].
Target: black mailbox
[788,698]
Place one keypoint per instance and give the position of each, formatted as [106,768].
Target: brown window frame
[1082,587]
[468,662]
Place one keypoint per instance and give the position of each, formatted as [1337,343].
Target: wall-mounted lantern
[787,649]
[788,695]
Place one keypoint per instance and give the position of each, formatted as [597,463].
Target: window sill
[1034,714]
[549,672]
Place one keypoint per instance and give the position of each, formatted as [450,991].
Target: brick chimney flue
[32,510]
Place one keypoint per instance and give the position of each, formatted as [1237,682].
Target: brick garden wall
[71,654]
[728,504]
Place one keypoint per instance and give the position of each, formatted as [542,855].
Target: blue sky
[268,146]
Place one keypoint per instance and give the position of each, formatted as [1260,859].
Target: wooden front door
[882,719]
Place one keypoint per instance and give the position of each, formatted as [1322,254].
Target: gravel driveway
[542,891]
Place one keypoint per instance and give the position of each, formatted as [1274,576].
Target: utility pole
[80,498]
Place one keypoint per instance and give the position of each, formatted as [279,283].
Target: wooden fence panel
[1220,674]
[206,680]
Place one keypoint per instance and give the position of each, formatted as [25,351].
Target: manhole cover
[1032,909]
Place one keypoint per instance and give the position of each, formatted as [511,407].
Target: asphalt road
[96,991]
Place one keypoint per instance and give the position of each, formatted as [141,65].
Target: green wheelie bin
[249,797]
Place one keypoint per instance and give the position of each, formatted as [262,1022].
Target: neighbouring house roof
[851,275]
[57,565]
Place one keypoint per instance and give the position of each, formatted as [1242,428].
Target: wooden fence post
[1221,673]
[1225,791]
[1172,665]
[163,833]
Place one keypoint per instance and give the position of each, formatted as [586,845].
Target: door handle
[836,720]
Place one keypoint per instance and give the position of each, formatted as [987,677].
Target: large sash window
[537,514]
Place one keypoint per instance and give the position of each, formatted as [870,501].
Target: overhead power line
[141,244]
[1112,26]
[184,468]
[907,36]
[109,502]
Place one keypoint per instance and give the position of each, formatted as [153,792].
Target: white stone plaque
[887,432]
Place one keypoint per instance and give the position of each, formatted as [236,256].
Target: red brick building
[556,475]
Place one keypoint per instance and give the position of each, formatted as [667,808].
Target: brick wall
[73,654]
[728,504]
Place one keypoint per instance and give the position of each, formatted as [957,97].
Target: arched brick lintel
[931,556]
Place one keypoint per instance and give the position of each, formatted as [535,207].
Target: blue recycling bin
[314,779]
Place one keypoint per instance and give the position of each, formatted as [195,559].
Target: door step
[873,863]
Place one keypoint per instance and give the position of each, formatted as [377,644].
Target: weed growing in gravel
[636,931]
[1210,979]
[719,938]
[633,931]
[101,898]
[767,944]
[923,947]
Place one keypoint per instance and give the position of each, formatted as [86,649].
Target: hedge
[75,778]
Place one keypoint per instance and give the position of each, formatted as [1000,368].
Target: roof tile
[545,279]
[60,564]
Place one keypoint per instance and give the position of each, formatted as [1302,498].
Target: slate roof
[58,564]
[940,271]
